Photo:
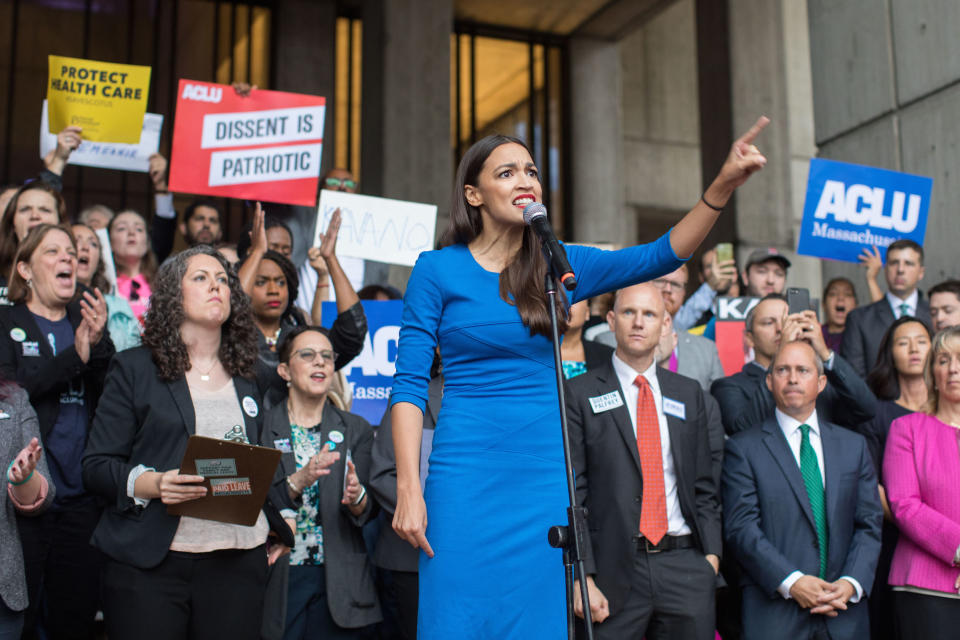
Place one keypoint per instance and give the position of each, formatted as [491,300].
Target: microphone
[535,215]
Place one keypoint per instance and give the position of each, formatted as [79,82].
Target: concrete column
[769,54]
[596,173]
[406,104]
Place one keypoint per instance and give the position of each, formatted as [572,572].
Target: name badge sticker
[607,401]
[31,348]
[283,444]
[4,415]
[674,408]
[336,437]
[17,334]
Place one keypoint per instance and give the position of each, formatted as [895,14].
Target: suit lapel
[607,381]
[831,468]
[780,450]
[675,426]
[181,399]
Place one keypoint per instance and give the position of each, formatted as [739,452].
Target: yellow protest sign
[105,99]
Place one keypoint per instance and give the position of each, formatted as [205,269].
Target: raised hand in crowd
[805,326]
[873,264]
[599,606]
[67,142]
[93,310]
[243,89]
[319,465]
[720,275]
[318,257]
[158,172]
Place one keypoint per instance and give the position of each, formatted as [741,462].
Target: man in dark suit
[641,454]
[866,325]
[801,512]
[744,397]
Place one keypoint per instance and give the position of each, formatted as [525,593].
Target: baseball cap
[758,256]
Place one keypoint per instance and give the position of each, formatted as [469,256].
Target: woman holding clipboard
[169,576]
[496,478]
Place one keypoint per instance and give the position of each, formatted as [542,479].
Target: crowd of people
[768,503]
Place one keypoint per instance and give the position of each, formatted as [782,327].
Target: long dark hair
[8,236]
[883,379]
[521,282]
[161,330]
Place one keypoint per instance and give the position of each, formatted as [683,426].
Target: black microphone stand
[572,536]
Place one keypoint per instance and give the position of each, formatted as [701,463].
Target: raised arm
[743,160]
[258,246]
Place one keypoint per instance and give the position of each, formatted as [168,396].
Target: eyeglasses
[336,182]
[134,290]
[663,284]
[310,355]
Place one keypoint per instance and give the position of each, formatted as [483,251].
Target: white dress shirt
[791,431]
[676,525]
[911,302]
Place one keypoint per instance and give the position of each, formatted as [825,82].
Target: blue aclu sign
[850,207]
[370,374]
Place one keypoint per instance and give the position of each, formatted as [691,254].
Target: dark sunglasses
[336,182]
[134,290]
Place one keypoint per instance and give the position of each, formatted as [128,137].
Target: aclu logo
[863,205]
[379,355]
[202,93]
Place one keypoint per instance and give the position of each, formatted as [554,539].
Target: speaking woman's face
[88,253]
[508,182]
[310,367]
[52,270]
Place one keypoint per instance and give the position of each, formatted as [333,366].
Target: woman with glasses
[271,282]
[135,261]
[326,461]
[171,576]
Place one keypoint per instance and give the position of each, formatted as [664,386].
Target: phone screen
[724,252]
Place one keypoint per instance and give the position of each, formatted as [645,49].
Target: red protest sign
[730,325]
[266,146]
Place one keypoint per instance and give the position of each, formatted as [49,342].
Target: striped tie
[810,470]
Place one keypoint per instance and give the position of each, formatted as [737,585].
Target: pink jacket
[921,471]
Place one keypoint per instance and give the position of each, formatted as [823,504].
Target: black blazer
[745,400]
[145,420]
[596,354]
[46,376]
[610,482]
[864,331]
[351,594]
[393,552]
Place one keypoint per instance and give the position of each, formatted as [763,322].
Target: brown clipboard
[237,477]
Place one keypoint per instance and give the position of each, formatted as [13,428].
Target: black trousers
[189,595]
[671,597]
[62,571]
[921,617]
[399,596]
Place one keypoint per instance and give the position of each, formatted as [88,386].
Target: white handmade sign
[393,231]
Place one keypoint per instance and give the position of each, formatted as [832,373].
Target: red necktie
[653,509]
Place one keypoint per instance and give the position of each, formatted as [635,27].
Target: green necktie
[810,471]
[904,309]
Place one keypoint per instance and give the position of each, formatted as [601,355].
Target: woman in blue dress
[497,481]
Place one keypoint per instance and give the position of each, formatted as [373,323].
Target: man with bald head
[641,453]
[801,512]
[692,356]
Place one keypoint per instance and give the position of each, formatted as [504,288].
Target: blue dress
[497,480]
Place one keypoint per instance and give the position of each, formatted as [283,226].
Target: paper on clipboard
[237,477]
